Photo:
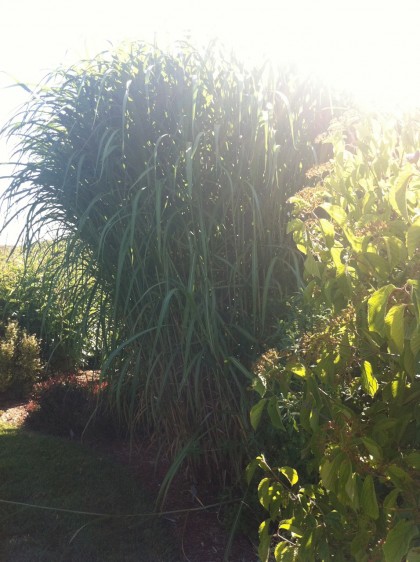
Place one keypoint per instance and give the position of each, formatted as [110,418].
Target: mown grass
[47,471]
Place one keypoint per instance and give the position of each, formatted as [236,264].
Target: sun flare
[371,50]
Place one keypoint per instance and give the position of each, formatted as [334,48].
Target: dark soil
[201,534]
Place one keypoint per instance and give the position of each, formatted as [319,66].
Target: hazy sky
[370,47]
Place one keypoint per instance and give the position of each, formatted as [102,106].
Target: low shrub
[19,360]
[67,405]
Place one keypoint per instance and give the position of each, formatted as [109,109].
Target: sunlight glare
[369,48]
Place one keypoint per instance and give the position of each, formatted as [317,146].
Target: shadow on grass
[48,471]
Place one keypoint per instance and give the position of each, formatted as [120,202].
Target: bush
[68,405]
[35,294]
[19,360]
[358,369]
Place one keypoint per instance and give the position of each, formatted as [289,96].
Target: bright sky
[369,47]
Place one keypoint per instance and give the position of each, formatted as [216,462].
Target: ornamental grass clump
[169,173]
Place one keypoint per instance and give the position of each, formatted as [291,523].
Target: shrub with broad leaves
[358,497]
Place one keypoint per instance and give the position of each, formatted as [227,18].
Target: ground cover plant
[357,372]
[165,175]
[50,472]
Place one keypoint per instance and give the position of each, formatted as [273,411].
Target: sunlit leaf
[394,323]
[290,473]
[398,194]
[377,307]
[413,238]
[297,368]
[264,540]
[369,382]
[336,213]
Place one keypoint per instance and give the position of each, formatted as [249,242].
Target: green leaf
[398,194]
[399,477]
[259,384]
[390,500]
[336,213]
[296,368]
[312,266]
[264,540]
[409,361]
[329,470]
[250,470]
[356,242]
[265,492]
[336,257]
[287,525]
[350,487]
[413,238]
[328,232]
[369,382]
[394,322]
[295,225]
[284,552]
[290,474]
[377,307]
[413,459]
[414,555]
[262,463]
[368,501]
[398,541]
[395,249]
[256,413]
[415,341]
[273,410]
[314,419]
[373,263]
[373,448]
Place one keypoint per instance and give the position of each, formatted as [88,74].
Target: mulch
[13,412]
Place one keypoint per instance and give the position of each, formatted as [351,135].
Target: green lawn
[47,471]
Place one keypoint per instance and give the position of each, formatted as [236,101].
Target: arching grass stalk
[171,171]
